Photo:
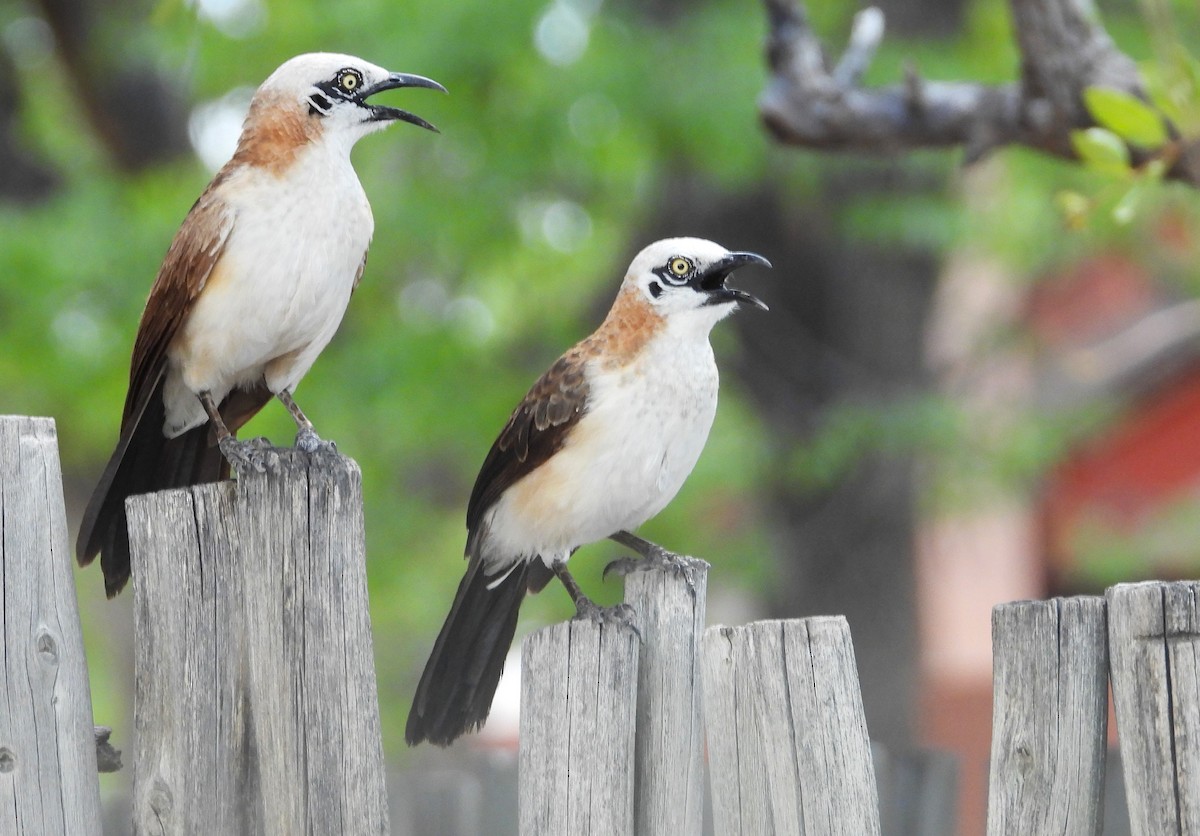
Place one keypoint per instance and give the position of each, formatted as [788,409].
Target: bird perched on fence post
[600,444]
[251,290]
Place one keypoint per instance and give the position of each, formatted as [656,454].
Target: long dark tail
[144,461]
[460,678]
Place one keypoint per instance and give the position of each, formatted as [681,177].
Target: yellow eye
[679,266]
[350,82]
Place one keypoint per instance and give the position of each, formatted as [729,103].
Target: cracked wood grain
[48,778]
[1154,645]
[1050,716]
[255,692]
[787,736]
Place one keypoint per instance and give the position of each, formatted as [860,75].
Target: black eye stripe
[319,103]
[334,90]
[655,289]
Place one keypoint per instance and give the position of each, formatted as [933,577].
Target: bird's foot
[308,441]
[254,454]
[656,557]
[622,614]
[588,610]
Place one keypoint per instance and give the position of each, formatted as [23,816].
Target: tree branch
[136,111]
[1064,50]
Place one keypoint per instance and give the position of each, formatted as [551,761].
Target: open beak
[712,280]
[382,113]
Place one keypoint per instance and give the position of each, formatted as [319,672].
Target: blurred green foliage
[1113,553]
[497,244]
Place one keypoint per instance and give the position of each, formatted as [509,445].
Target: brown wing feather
[534,432]
[193,255]
[460,679]
[144,460]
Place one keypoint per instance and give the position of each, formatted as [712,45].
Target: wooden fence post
[1154,643]
[255,702]
[787,736]
[48,779]
[578,710]
[669,782]
[1050,717]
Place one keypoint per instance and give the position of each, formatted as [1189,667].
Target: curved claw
[246,455]
[664,561]
[623,566]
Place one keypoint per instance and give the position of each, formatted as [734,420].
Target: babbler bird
[251,290]
[602,442]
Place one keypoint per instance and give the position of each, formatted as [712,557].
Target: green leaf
[1101,149]
[1127,116]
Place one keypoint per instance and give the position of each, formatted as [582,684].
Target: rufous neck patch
[630,324]
[276,130]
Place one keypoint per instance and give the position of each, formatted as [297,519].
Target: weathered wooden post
[1154,645]
[787,735]
[669,768]
[255,702]
[1050,717]
[578,711]
[48,782]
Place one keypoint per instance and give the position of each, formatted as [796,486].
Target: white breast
[628,456]
[282,286]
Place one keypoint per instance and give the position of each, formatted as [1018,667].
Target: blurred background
[962,395]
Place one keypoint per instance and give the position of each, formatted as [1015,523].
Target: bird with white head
[251,290]
[600,444]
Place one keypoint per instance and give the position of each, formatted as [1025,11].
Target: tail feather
[143,461]
[456,690]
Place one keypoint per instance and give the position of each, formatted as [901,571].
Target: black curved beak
[712,280]
[382,113]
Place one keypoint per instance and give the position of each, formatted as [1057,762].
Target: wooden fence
[48,781]
[257,712]
[255,692]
